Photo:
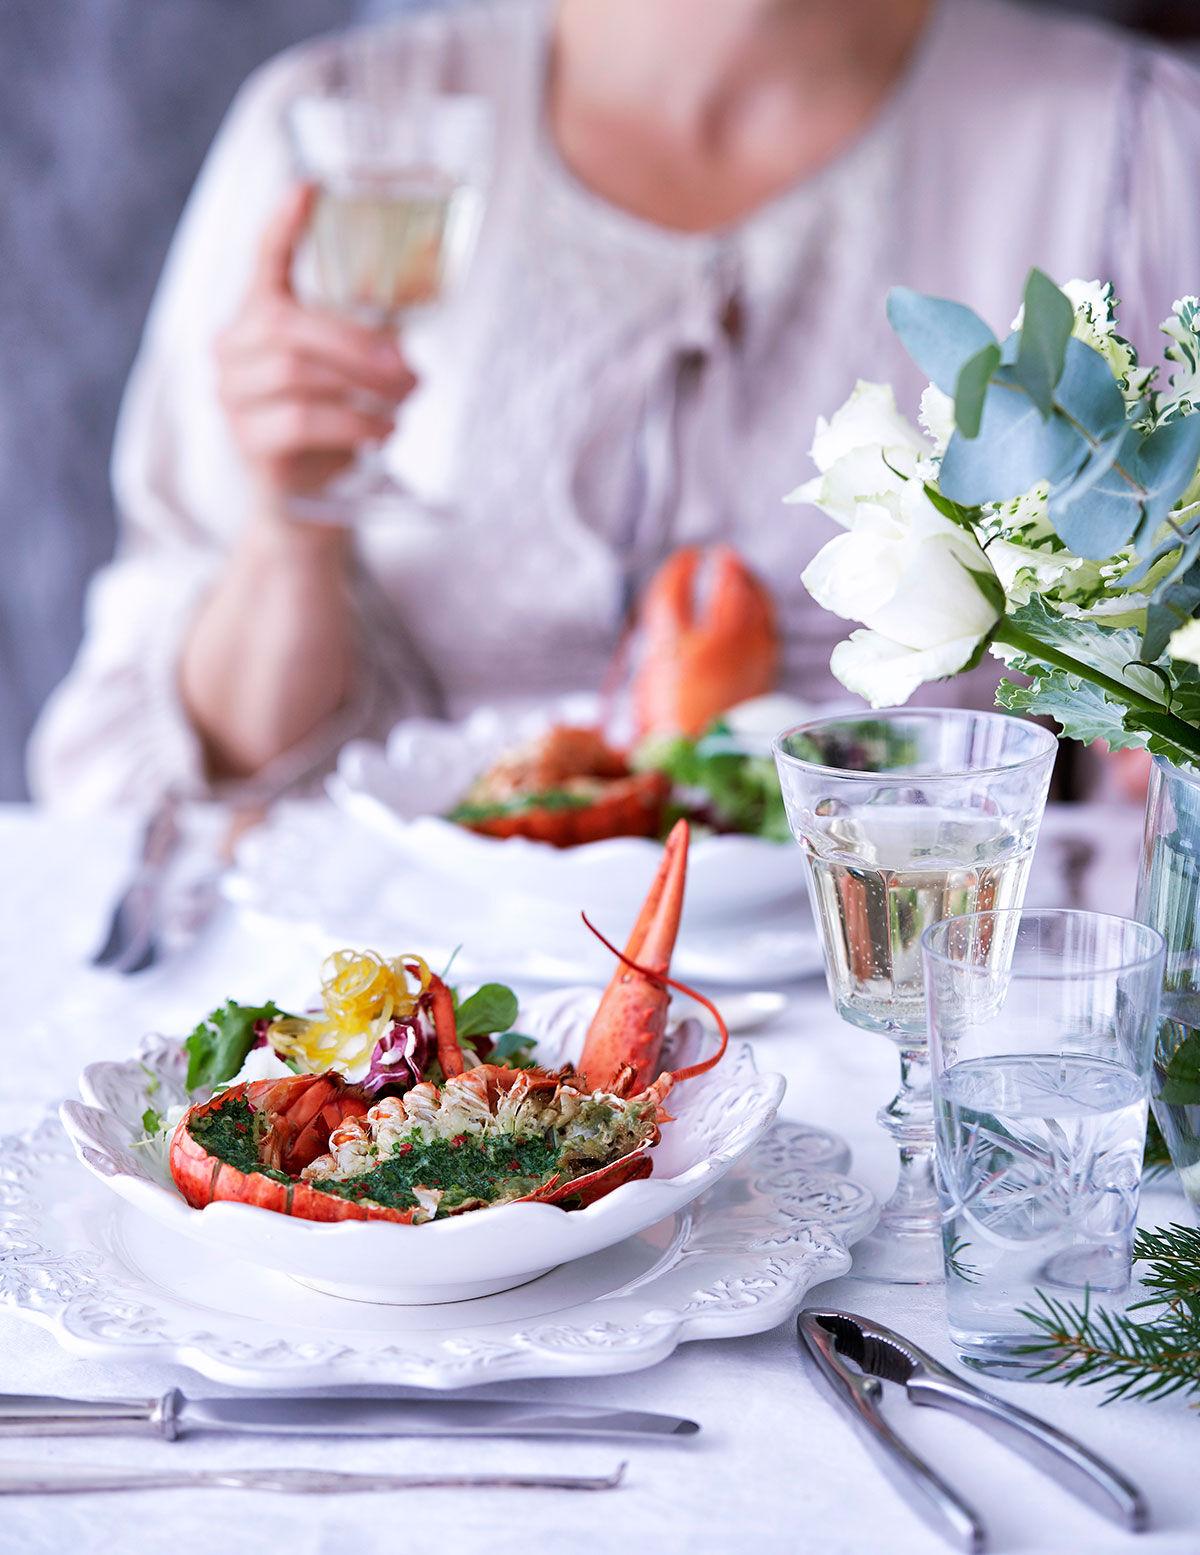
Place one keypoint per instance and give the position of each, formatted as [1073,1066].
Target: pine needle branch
[1136,1359]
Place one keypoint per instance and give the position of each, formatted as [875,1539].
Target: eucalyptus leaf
[1014,449]
[973,379]
[1045,329]
[1100,508]
[1168,610]
[939,335]
[1165,465]
[1088,393]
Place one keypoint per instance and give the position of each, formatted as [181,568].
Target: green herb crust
[468,1167]
[230,1131]
[548,799]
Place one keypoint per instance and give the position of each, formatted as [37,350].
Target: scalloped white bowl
[402,790]
[718,1117]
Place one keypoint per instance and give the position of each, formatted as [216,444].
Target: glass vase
[1168,899]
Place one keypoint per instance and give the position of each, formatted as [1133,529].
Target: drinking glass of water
[1042,1028]
[400,183]
[907,817]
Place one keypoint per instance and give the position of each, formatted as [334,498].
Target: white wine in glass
[384,247]
[905,818]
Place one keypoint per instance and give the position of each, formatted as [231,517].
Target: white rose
[866,450]
[1185,642]
[919,584]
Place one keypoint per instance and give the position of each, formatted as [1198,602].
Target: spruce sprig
[1136,1358]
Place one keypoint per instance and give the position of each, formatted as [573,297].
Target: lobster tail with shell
[314,1139]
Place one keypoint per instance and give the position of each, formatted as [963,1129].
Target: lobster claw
[707,641]
[623,1048]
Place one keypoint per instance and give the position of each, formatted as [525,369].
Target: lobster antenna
[664,981]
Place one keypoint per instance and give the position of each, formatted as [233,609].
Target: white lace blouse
[583,409]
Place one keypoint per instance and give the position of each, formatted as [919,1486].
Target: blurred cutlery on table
[173,1415]
[133,940]
[25,1479]
[153,907]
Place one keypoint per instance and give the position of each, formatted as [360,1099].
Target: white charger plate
[112,1284]
[404,788]
[717,1118]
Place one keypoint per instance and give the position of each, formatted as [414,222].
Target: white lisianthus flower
[922,587]
[1185,642]
[866,450]
[937,417]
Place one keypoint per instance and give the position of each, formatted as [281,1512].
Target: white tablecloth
[774,1469]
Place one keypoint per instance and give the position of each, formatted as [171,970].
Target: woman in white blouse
[695,214]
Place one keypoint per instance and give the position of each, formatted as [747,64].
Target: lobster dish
[703,641]
[397,1101]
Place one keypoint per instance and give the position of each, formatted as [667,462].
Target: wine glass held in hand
[906,818]
[398,207]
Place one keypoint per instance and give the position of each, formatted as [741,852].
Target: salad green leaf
[490,1009]
[514,1049]
[218,1046]
[717,783]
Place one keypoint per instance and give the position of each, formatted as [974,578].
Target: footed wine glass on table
[906,818]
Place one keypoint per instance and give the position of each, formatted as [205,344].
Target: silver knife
[174,1415]
[20,1479]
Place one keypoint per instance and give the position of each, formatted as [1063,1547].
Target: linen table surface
[774,1468]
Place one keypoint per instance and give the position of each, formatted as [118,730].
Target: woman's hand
[303,389]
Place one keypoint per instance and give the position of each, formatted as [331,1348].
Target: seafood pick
[412,1111]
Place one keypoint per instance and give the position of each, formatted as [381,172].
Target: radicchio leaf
[401,1057]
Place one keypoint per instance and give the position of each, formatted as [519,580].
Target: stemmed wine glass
[400,199]
[906,818]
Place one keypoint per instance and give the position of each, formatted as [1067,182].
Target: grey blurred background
[107,110]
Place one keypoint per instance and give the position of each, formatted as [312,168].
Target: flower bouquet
[1047,509]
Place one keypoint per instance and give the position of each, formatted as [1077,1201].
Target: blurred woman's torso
[605,389]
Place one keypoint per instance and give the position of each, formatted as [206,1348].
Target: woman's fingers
[296,336]
[303,389]
[280,240]
[286,427]
[283,374]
